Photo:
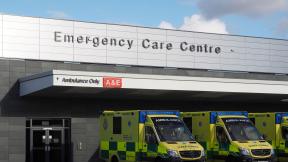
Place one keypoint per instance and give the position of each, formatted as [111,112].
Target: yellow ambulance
[138,135]
[229,136]
[274,127]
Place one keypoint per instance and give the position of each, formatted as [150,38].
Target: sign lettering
[96,41]
[112,82]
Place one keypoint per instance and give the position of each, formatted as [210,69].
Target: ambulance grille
[190,154]
[261,152]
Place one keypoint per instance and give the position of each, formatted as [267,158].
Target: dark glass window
[150,137]
[67,122]
[188,122]
[27,123]
[252,120]
[116,125]
[221,135]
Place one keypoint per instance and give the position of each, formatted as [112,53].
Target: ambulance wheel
[114,159]
[230,159]
[158,159]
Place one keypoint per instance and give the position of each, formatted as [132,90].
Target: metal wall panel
[19,37]
[234,67]
[90,55]
[35,38]
[122,54]
[232,38]
[114,57]
[1,35]
[279,47]
[179,33]
[150,60]
[181,64]
[257,40]
[207,36]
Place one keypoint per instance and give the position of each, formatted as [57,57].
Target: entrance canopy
[120,85]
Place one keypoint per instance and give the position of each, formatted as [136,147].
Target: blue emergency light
[144,113]
[279,116]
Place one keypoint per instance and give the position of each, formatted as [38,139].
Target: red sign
[112,82]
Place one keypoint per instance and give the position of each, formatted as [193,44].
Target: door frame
[47,148]
[64,129]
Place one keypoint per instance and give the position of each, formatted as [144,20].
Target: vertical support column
[16,139]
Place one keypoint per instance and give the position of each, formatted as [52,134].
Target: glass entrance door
[48,140]
[47,145]
[39,146]
[56,143]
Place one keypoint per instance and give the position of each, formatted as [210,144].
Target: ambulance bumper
[250,159]
[203,159]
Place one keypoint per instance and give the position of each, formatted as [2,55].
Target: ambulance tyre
[159,159]
[231,159]
[114,159]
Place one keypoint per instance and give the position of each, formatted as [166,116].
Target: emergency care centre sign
[128,43]
[84,42]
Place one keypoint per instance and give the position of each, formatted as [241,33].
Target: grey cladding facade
[31,46]
[83,111]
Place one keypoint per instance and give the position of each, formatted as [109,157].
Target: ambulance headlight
[272,152]
[244,151]
[172,153]
[203,153]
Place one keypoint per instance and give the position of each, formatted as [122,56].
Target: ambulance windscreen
[242,129]
[172,129]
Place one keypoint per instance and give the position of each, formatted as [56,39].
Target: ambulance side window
[150,137]
[221,135]
[188,122]
[252,120]
[117,125]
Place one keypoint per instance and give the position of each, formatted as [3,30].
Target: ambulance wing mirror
[264,136]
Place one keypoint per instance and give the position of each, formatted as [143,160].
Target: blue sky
[261,18]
